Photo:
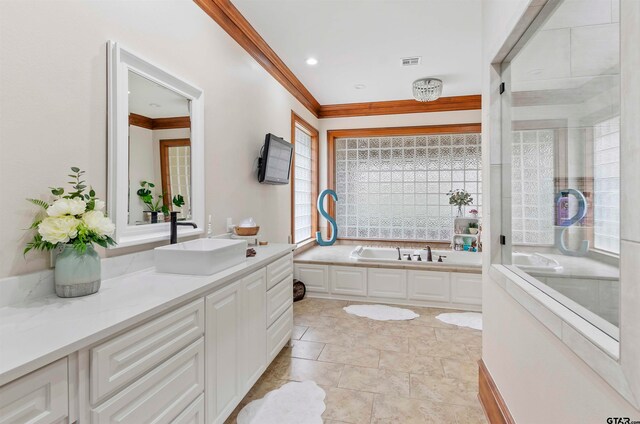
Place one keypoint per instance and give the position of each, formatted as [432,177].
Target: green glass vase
[77,274]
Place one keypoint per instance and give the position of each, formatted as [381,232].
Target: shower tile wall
[395,187]
[533,187]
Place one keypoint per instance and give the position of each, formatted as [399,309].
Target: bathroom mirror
[155,150]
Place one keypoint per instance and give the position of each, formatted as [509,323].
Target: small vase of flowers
[459,198]
[71,224]
[473,213]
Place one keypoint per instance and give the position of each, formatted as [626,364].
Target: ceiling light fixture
[427,89]
[312,61]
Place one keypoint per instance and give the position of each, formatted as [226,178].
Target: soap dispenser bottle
[209,228]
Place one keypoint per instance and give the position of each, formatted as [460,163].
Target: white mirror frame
[616,362]
[120,62]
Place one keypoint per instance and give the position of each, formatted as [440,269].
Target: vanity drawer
[279,334]
[279,298]
[124,358]
[278,270]
[41,397]
[161,395]
[194,414]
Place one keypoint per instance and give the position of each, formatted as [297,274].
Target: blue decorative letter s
[332,222]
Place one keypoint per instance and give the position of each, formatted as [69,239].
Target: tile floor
[418,371]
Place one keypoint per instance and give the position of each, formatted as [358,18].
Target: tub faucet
[174,227]
[399,254]
[429,257]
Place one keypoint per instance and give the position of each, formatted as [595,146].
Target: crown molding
[225,14]
[159,123]
[393,107]
[232,21]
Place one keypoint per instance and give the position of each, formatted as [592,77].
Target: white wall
[541,380]
[384,121]
[54,109]
[142,167]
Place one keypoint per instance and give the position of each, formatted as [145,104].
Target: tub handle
[440,258]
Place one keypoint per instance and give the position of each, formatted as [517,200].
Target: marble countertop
[340,255]
[39,331]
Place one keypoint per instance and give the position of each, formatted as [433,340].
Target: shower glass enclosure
[561,115]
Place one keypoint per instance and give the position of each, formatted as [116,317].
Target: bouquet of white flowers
[76,218]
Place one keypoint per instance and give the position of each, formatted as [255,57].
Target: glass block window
[606,182]
[180,177]
[394,188]
[533,187]
[302,185]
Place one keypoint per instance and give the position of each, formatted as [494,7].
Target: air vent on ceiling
[411,61]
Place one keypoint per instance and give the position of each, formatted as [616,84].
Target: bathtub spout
[399,255]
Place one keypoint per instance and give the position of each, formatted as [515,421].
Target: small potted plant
[178,201]
[473,213]
[156,209]
[459,198]
[72,223]
[473,228]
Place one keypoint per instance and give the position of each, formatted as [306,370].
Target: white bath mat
[293,403]
[381,312]
[463,319]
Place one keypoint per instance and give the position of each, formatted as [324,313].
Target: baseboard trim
[492,402]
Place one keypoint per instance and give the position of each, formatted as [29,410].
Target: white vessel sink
[200,257]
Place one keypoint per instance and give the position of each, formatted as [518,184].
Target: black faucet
[399,254]
[429,258]
[174,227]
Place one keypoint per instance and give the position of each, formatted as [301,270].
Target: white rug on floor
[463,319]
[381,312]
[293,403]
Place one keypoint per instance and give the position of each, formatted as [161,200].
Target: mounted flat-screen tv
[274,165]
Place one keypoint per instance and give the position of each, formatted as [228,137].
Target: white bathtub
[535,262]
[530,262]
[389,254]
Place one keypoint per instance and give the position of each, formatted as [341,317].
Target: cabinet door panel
[160,395]
[279,298]
[314,277]
[194,414]
[349,280]
[466,288]
[390,283]
[431,286]
[223,338]
[126,357]
[37,398]
[279,334]
[255,327]
[278,270]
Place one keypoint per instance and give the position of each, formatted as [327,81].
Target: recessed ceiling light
[359,86]
[312,61]
[154,105]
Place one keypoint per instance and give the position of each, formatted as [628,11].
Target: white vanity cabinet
[37,398]
[189,364]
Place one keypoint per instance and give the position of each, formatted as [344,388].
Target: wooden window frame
[383,132]
[315,171]
[164,166]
